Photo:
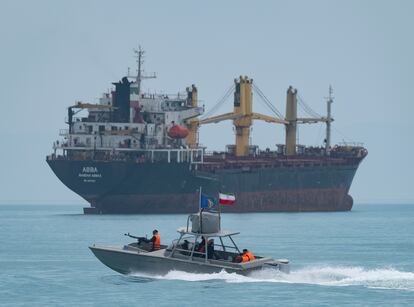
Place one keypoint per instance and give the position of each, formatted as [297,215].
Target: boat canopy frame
[185,232]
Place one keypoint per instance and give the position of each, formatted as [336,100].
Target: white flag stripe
[227,197]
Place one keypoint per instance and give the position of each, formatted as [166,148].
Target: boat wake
[384,278]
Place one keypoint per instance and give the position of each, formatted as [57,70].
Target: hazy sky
[56,52]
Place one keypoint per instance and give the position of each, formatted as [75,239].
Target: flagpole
[219,210]
[199,200]
[201,212]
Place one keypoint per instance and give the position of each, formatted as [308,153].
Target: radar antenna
[139,54]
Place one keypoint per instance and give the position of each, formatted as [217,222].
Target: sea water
[363,257]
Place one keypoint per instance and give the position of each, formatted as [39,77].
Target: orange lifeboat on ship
[177,132]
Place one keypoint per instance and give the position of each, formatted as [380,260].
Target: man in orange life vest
[155,240]
[247,256]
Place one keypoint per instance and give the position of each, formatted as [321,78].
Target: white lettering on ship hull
[89,169]
[89,174]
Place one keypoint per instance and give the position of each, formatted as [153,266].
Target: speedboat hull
[125,260]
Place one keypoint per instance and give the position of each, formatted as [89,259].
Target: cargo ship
[136,152]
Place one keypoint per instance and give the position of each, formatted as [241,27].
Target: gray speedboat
[184,254]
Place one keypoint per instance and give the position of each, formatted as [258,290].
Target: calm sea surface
[364,257]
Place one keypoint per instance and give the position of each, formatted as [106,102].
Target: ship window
[90,128]
[126,127]
[101,128]
[113,128]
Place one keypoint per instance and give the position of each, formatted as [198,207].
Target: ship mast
[139,53]
[329,101]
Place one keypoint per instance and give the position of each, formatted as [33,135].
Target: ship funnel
[122,101]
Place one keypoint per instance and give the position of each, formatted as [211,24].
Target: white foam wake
[386,278]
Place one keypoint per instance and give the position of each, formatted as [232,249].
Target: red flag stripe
[226,202]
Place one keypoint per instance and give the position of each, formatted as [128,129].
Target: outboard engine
[205,222]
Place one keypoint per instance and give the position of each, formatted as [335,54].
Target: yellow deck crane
[243,117]
[192,123]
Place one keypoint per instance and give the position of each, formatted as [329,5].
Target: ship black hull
[129,187]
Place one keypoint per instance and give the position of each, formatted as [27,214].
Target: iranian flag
[226,199]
